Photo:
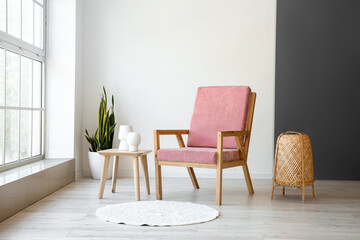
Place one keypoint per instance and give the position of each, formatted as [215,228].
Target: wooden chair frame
[243,149]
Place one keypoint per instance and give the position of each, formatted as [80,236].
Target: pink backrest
[223,108]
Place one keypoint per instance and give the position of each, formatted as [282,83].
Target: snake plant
[104,134]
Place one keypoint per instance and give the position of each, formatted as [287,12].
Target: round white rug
[157,213]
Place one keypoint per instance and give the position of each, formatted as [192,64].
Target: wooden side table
[116,152]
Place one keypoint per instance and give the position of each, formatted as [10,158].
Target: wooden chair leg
[283,192]
[114,175]
[303,193]
[272,191]
[313,191]
[193,177]
[158,182]
[146,172]
[248,179]
[104,175]
[218,186]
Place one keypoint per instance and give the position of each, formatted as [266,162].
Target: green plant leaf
[104,134]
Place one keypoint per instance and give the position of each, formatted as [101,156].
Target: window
[22,58]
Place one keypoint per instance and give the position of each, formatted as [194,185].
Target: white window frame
[22,48]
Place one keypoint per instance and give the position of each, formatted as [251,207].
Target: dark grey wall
[318,81]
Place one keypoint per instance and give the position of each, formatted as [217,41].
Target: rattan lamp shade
[293,162]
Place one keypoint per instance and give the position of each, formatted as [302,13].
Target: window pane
[25,134]
[27,21]
[38,33]
[1,136]
[11,136]
[14,17]
[2,77]
[36,133]
[37,84]
[12,79]
[21,80]
[26,82]
[3,15]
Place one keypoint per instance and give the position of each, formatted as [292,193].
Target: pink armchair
[218,137]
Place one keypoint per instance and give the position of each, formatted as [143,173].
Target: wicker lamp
[293,163]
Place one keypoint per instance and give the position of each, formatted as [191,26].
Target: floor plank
[70,212]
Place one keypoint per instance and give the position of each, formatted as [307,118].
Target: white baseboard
[87,173]
[231,175]
[199,174]
[121,173]
[79,175]
[127,174]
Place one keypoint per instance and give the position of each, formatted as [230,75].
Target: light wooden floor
[69,213]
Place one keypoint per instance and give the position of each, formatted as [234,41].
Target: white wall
[60,79]
[152,55]
[78,134]
[64,78]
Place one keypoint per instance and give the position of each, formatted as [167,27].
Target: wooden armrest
[171,132]
[233,133]
[176,132]
[238,136]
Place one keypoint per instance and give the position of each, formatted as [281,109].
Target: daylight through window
[22,58]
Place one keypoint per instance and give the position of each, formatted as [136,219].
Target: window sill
[23,171]
[22,186]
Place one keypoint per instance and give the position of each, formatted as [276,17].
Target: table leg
[136,177]
[104,175]
[114,175]
[146,172]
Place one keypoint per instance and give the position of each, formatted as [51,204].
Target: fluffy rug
[157,213]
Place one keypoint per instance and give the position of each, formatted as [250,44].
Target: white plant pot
[96,163]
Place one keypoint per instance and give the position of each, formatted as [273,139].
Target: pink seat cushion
[223,108]
[196,155]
